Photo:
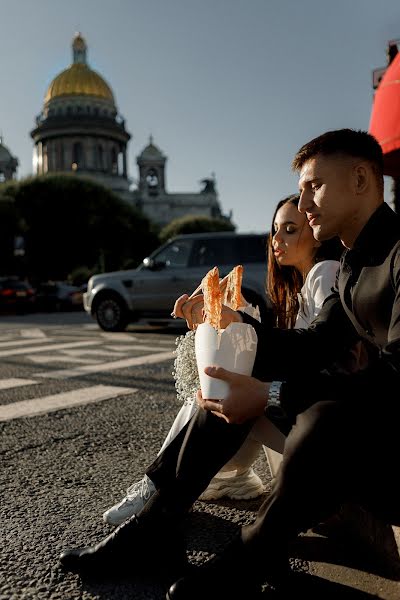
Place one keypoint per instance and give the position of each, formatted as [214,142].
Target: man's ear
[361,178]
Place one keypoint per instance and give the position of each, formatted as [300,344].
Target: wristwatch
[274,408]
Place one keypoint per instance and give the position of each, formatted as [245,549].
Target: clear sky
[233,87]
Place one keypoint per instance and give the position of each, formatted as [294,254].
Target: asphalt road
[82,412]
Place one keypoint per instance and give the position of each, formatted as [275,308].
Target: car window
[213,252]
[175,254]
[251,249]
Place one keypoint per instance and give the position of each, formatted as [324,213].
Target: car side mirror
[148,262]
[154,265]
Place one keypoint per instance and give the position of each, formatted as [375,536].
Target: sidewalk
[353,559]
[357,559]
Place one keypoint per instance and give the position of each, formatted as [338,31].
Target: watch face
[275,410]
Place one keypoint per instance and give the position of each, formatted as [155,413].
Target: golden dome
[79,79]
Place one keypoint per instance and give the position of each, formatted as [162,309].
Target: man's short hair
[350,142]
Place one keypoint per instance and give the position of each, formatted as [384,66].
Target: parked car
[117,298]
[58,296]
[16,295]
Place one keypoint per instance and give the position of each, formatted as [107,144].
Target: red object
[385,117]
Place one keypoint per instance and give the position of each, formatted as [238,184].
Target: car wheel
[111,314]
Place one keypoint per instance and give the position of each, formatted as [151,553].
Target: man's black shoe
[200,587]
[133,548]
[236,574]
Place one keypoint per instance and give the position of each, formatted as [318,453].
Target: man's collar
[378,234]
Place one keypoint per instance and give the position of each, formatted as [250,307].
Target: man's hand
[246,400]
[192,311]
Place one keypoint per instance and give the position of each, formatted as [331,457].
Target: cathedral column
[125,173]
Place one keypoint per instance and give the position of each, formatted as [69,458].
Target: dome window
[114,162]
[100,157]
[77,156]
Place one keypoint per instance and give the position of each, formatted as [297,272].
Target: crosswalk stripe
[119,337]
[32,333]
[133,347]
[96,352]
[62,358]
[128,338]
[6,384]
[37,406]
[29,349]
[107,366]
[15,342]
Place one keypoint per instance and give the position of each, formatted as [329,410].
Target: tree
[70,222]
[194,224]
[8,229]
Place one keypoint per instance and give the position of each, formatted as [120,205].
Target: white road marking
[15,342]
[119,337]
[95,351]
[133,347]
[32,333]
[49,358]
[51,347]
[6,384]
[107,366]
[137,347]
[37,406]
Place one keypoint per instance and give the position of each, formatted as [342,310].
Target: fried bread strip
[233,290]
[212,298]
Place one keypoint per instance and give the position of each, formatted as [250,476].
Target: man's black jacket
[365,305]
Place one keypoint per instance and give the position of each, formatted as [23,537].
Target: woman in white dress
[301,274]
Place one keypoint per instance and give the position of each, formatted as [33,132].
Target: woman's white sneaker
[237,487]
[136,497]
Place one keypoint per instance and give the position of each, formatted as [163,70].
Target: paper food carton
[233,348]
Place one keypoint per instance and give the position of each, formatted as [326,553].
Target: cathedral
[80,130]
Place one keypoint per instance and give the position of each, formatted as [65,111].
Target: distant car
[16,295]
[58,296]
[118,298]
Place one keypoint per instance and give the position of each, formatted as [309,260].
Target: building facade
[79,130]
[8,163]
[161,206]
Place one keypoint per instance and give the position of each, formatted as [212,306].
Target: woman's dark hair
[284,283]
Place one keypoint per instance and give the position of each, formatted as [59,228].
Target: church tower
[151,163]
[161,206]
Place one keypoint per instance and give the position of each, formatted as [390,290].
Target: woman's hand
[192,311]
[247,397]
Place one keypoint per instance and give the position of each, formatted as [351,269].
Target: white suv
[121,297]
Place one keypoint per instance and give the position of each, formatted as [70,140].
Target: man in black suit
[332,418]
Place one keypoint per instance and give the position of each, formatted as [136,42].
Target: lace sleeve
[185,368]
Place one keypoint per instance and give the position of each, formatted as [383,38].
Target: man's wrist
[274,407]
